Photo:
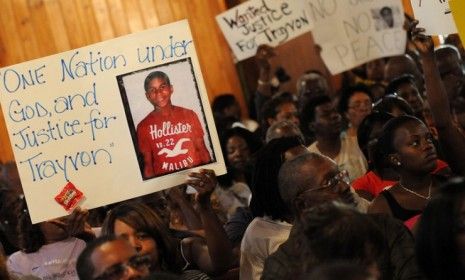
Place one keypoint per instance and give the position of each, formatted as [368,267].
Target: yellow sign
[458,12]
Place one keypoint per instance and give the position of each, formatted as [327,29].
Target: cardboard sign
[87,116]
[458,12]
[434,16]
[256,22]
[352,32]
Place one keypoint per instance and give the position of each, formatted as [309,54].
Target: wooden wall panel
[31,29]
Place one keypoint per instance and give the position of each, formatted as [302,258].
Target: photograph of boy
[170,138]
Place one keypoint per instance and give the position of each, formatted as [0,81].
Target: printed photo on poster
[166,119]
[385,17]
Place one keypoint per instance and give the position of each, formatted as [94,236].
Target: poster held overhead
[434,16]
[351,33]
[458,12]
[72,120]
[257,22]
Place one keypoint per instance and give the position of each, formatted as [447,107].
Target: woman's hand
[204,182]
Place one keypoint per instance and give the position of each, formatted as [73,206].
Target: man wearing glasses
[170,138]
[311,180]
[111,258]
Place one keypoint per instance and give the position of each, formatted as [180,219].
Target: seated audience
[340,270]
[227,114]
[379,175]
[440,234]
[394,105]
[238,146]
[451,139]
[405,87]
[310,180]
[400,65]
[336,232]
[147,233]
[277,109]
[407,146]
[113,258]
[271,224]
[354,105]
[321,118]
[48,249]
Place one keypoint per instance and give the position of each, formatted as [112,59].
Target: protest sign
[458,12]
[84,120]
[352,32]
[256,22]
[434,16]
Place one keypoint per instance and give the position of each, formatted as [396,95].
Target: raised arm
[451,139]
[214,254]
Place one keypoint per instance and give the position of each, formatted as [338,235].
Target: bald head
[297,174]
[283,129]
[401,65]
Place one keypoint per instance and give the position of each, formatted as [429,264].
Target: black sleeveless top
[397,210]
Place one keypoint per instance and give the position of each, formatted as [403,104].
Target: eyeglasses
[332,183]
[120,270]
[162,88]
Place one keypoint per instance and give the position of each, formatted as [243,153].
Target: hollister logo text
[168,129]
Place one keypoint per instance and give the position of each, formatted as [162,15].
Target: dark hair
[155,75]
[3,270]
[143,219]
[385,144]
[307,115]
[11,206]
[337,270]
[222,102]
[436,249]
[367,126]
[391,101]
[271,108]
[447,49]
[348,92]
[331,231]
[394,85]
[84,265]
[30,236]
[266,200]
[253,143]
[385,9]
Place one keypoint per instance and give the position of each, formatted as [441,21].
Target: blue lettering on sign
[174,49]
[13,80]
[78,66]
[46,168]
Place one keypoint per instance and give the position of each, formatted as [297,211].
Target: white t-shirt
[350,156]
[261,239]
[51,261]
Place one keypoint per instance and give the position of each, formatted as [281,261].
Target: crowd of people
[361,182]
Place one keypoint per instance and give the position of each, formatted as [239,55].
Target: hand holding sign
[204,182]
[423,43]
[263,56]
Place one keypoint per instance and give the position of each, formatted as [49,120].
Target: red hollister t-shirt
[172,143]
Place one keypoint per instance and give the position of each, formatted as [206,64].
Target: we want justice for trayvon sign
[118,119]
[256,22]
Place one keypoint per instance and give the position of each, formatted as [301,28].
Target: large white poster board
[74,117]
[352,32]
[434,16]
[256,22]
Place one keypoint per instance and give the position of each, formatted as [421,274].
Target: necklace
[417,194]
